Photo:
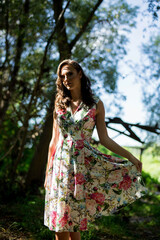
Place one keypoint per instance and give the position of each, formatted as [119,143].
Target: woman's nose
[66,77]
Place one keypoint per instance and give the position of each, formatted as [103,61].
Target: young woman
[81,182]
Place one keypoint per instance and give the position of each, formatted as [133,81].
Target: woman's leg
[62,235]
[75,236]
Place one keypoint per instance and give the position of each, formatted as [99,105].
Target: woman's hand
[136,162]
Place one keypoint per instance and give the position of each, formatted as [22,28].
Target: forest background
[35,36]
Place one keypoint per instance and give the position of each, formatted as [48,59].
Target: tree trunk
[37,167]
[62,40]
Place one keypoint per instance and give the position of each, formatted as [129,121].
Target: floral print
[82,182]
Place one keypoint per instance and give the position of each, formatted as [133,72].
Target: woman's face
[70,77]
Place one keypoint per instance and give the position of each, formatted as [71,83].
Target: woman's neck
[76,95]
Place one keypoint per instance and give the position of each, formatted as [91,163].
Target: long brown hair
[63,96]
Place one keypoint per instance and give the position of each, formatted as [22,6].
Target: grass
[151,163]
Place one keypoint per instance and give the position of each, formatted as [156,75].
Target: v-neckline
[76,108]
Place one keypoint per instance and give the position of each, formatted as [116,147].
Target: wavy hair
[63,95]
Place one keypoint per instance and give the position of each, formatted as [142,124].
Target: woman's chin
[69,87]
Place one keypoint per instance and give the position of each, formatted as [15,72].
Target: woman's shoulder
[99,104]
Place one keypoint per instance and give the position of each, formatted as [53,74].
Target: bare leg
[62,235]
[75,236]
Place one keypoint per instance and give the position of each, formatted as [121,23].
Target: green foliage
[24,38]
[150,161]
[150,72]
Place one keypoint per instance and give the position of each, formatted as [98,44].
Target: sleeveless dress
[82,182]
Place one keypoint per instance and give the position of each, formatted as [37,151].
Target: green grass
[151,163]
[28,216]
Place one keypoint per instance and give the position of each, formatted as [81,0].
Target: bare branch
[83,28]
[128,126]
[19,50]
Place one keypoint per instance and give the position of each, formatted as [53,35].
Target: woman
[82,183]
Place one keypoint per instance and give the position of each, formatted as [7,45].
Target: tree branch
[62,39]
[19,49]
[128,126]
[83,28]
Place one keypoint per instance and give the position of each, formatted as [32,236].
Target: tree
[35,38]
[154,7]
[150,76]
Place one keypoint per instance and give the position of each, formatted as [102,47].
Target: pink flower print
[79,144]
[63,117]
[134,179]
[98,197]
[83,224]
[124,171]
[82,135]
[99,208]
[86,118]
[126,183]
[79,192]
[95,188]
[70,223]
[71,187]
[67,209]
[87,160]
[61,111]
[76,153]
[91,206]
[106,155]
[92,113]
[54,217]
[64,219]
[114,185]
[115,176]
[87,196]
[79,178]
[70,143]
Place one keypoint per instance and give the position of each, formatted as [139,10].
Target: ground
[16,220]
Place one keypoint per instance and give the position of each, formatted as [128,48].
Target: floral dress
[82,182]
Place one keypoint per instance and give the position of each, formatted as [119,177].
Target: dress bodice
[78,125]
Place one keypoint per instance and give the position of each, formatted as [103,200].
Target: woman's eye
[67,74]
[70,73]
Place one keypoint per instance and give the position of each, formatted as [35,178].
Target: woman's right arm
[52,145]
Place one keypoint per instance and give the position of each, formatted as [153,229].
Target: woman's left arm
[107,142]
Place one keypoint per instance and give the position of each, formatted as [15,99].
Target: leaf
[106,205]
[117,191]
